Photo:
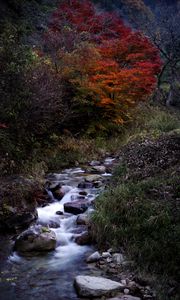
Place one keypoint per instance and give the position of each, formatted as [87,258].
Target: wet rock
[77,197]
[94,257]
[83,219]
[98,184]
[85,185]
[83,193]
[76,207]
[65,189]
[90,286]
[92,178]
[36,238]
[52,186]
[59,213]
[51,224]
[58,194]
[84,239]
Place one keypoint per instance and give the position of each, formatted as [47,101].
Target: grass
[140,211]
[144,220]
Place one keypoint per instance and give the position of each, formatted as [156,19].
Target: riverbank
[139,213]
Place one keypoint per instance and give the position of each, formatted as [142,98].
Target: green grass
[139,218]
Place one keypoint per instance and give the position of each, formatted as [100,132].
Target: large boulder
[91,286]
[76,207]
[36,238]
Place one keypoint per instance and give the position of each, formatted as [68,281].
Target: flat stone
[91,286]
[94,257]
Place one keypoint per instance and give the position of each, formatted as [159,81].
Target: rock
[51,224]
[99,169]
[106,255]
[52,186]
[98,184]
[76,207]
[118,258]
[37,238]
[125,297]
[58,194]
[109,260]
[80,229]
[54,224]
[77,197]
[83,193]
[91,286]
[65,189]
[59,213]
[85,185]
[82,219]
[126,291]
[123,281]
[93,257]
[94,163]
[92,178]
[84,239]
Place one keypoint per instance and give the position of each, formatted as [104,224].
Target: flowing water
[50,276]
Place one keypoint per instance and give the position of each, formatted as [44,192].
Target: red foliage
[127,64]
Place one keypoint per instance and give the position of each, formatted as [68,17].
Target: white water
[58,267]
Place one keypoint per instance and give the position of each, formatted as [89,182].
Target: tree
[110,66]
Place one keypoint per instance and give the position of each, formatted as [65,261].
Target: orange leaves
[104,59]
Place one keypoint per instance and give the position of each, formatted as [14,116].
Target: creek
[50,276]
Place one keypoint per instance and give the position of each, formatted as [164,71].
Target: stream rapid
[50,276]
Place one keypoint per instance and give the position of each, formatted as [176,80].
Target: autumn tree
[111,67]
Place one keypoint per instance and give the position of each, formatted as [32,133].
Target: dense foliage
[83,74]
[112,67]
